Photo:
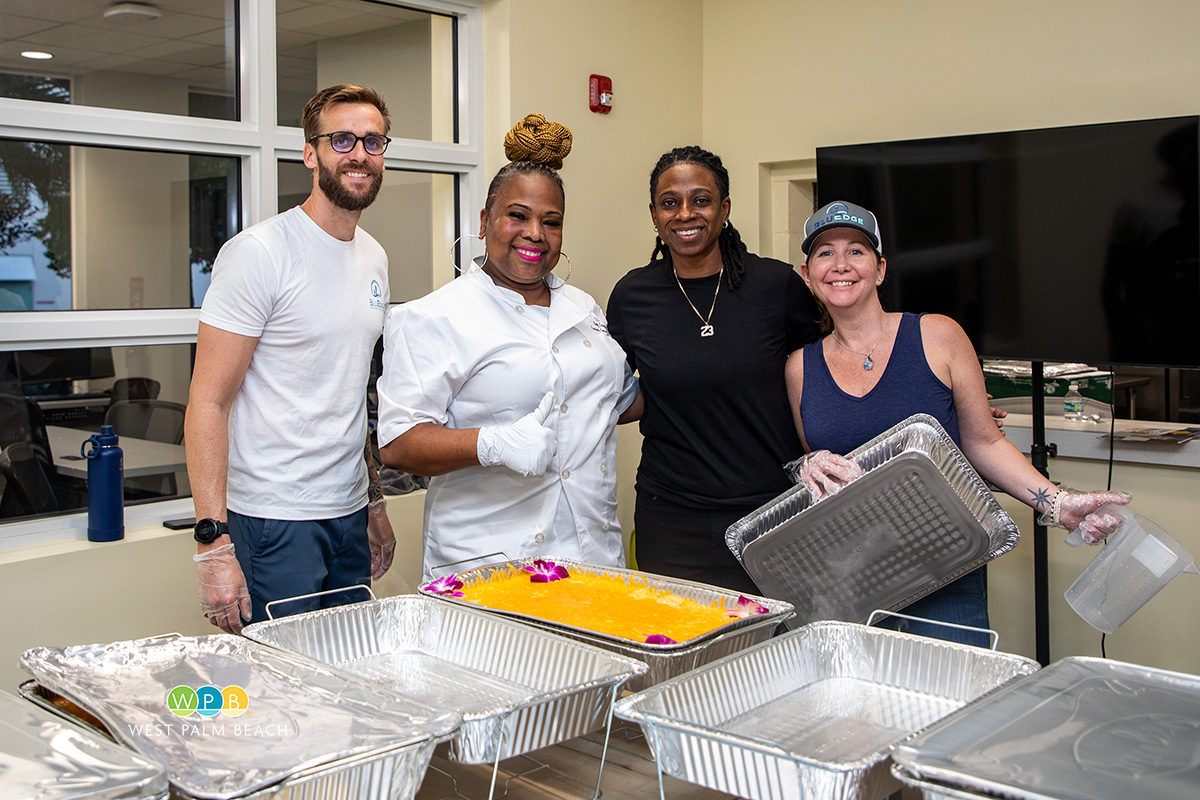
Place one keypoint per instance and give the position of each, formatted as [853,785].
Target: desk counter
[142,457]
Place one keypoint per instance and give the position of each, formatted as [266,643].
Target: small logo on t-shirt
[376,296]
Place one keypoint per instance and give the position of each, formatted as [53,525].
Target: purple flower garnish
[747,608]
[658,638]
[447,586]
[546,571]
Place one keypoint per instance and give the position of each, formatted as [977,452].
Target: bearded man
[277,416]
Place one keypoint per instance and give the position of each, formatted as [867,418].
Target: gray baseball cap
[840,214]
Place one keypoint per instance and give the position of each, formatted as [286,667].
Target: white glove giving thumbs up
[526,446]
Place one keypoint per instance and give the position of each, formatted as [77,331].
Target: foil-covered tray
[231,718]
[1080,729]
[516,687]
[663,660]
[930,789]
[43,757]
[918,518]
[811,713]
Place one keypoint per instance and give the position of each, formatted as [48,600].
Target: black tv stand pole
[1040,454]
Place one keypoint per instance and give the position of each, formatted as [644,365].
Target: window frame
[259,143]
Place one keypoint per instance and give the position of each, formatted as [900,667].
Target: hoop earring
[454,244]
[569,267]
[725,224]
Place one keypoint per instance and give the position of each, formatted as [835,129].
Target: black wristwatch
[209,530]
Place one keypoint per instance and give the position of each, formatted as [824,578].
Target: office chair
[135,389]
[22,420]
[156,420]
[26,488]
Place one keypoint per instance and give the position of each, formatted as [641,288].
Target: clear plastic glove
[823,472]
[1085,516]
[224,598]
[380,537]
[526,446]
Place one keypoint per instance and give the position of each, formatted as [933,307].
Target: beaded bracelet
[1055,514]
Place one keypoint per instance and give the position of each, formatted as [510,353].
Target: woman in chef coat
[505,387]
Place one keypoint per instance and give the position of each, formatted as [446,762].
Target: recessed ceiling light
[132,11]
[39,55]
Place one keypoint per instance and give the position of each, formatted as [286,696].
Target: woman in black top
[709,327]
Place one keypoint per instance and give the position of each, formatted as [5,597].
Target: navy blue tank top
[839,422]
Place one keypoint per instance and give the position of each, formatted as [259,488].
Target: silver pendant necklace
[868,363]
[706,329]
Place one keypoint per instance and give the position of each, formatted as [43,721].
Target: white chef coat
[472,354]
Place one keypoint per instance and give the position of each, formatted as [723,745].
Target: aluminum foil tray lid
[1080,729]
[702,593]
[228,716]
[919,518]
[43,757]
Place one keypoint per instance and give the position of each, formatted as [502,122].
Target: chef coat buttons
[562,409]
[604,466]
[566,473]
[520,309]
[605,526]
[600,404]
[539,538]
[587,342]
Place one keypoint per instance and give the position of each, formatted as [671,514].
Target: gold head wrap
[534,139]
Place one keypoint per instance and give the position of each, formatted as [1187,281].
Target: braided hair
[532,146]
[733,249]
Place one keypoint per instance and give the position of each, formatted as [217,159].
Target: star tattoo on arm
[1041,499]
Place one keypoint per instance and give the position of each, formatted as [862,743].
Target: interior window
[406,55]
[106,228]
[164,57]
[52,400]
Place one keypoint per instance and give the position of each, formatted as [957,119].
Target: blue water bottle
[106,476]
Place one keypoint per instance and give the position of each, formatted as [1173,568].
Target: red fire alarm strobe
[600,94]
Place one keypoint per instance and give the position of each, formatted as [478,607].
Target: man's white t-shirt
[299,423]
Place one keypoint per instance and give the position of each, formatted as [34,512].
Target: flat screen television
[52,369]
[1059,244]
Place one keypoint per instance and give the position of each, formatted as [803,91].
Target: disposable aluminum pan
[511,683]
[918,518]
[663,660]
[297,730]
[812,713]
[1081,729]
[932,790]
[43,757]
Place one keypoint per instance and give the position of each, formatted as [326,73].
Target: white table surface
[142,457]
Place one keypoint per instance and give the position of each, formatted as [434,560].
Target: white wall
[782,78]
[652,52]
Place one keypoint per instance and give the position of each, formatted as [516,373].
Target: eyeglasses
[344,141]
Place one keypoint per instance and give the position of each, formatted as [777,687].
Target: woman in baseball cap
[873,369]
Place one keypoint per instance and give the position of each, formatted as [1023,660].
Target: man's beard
[339,195]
